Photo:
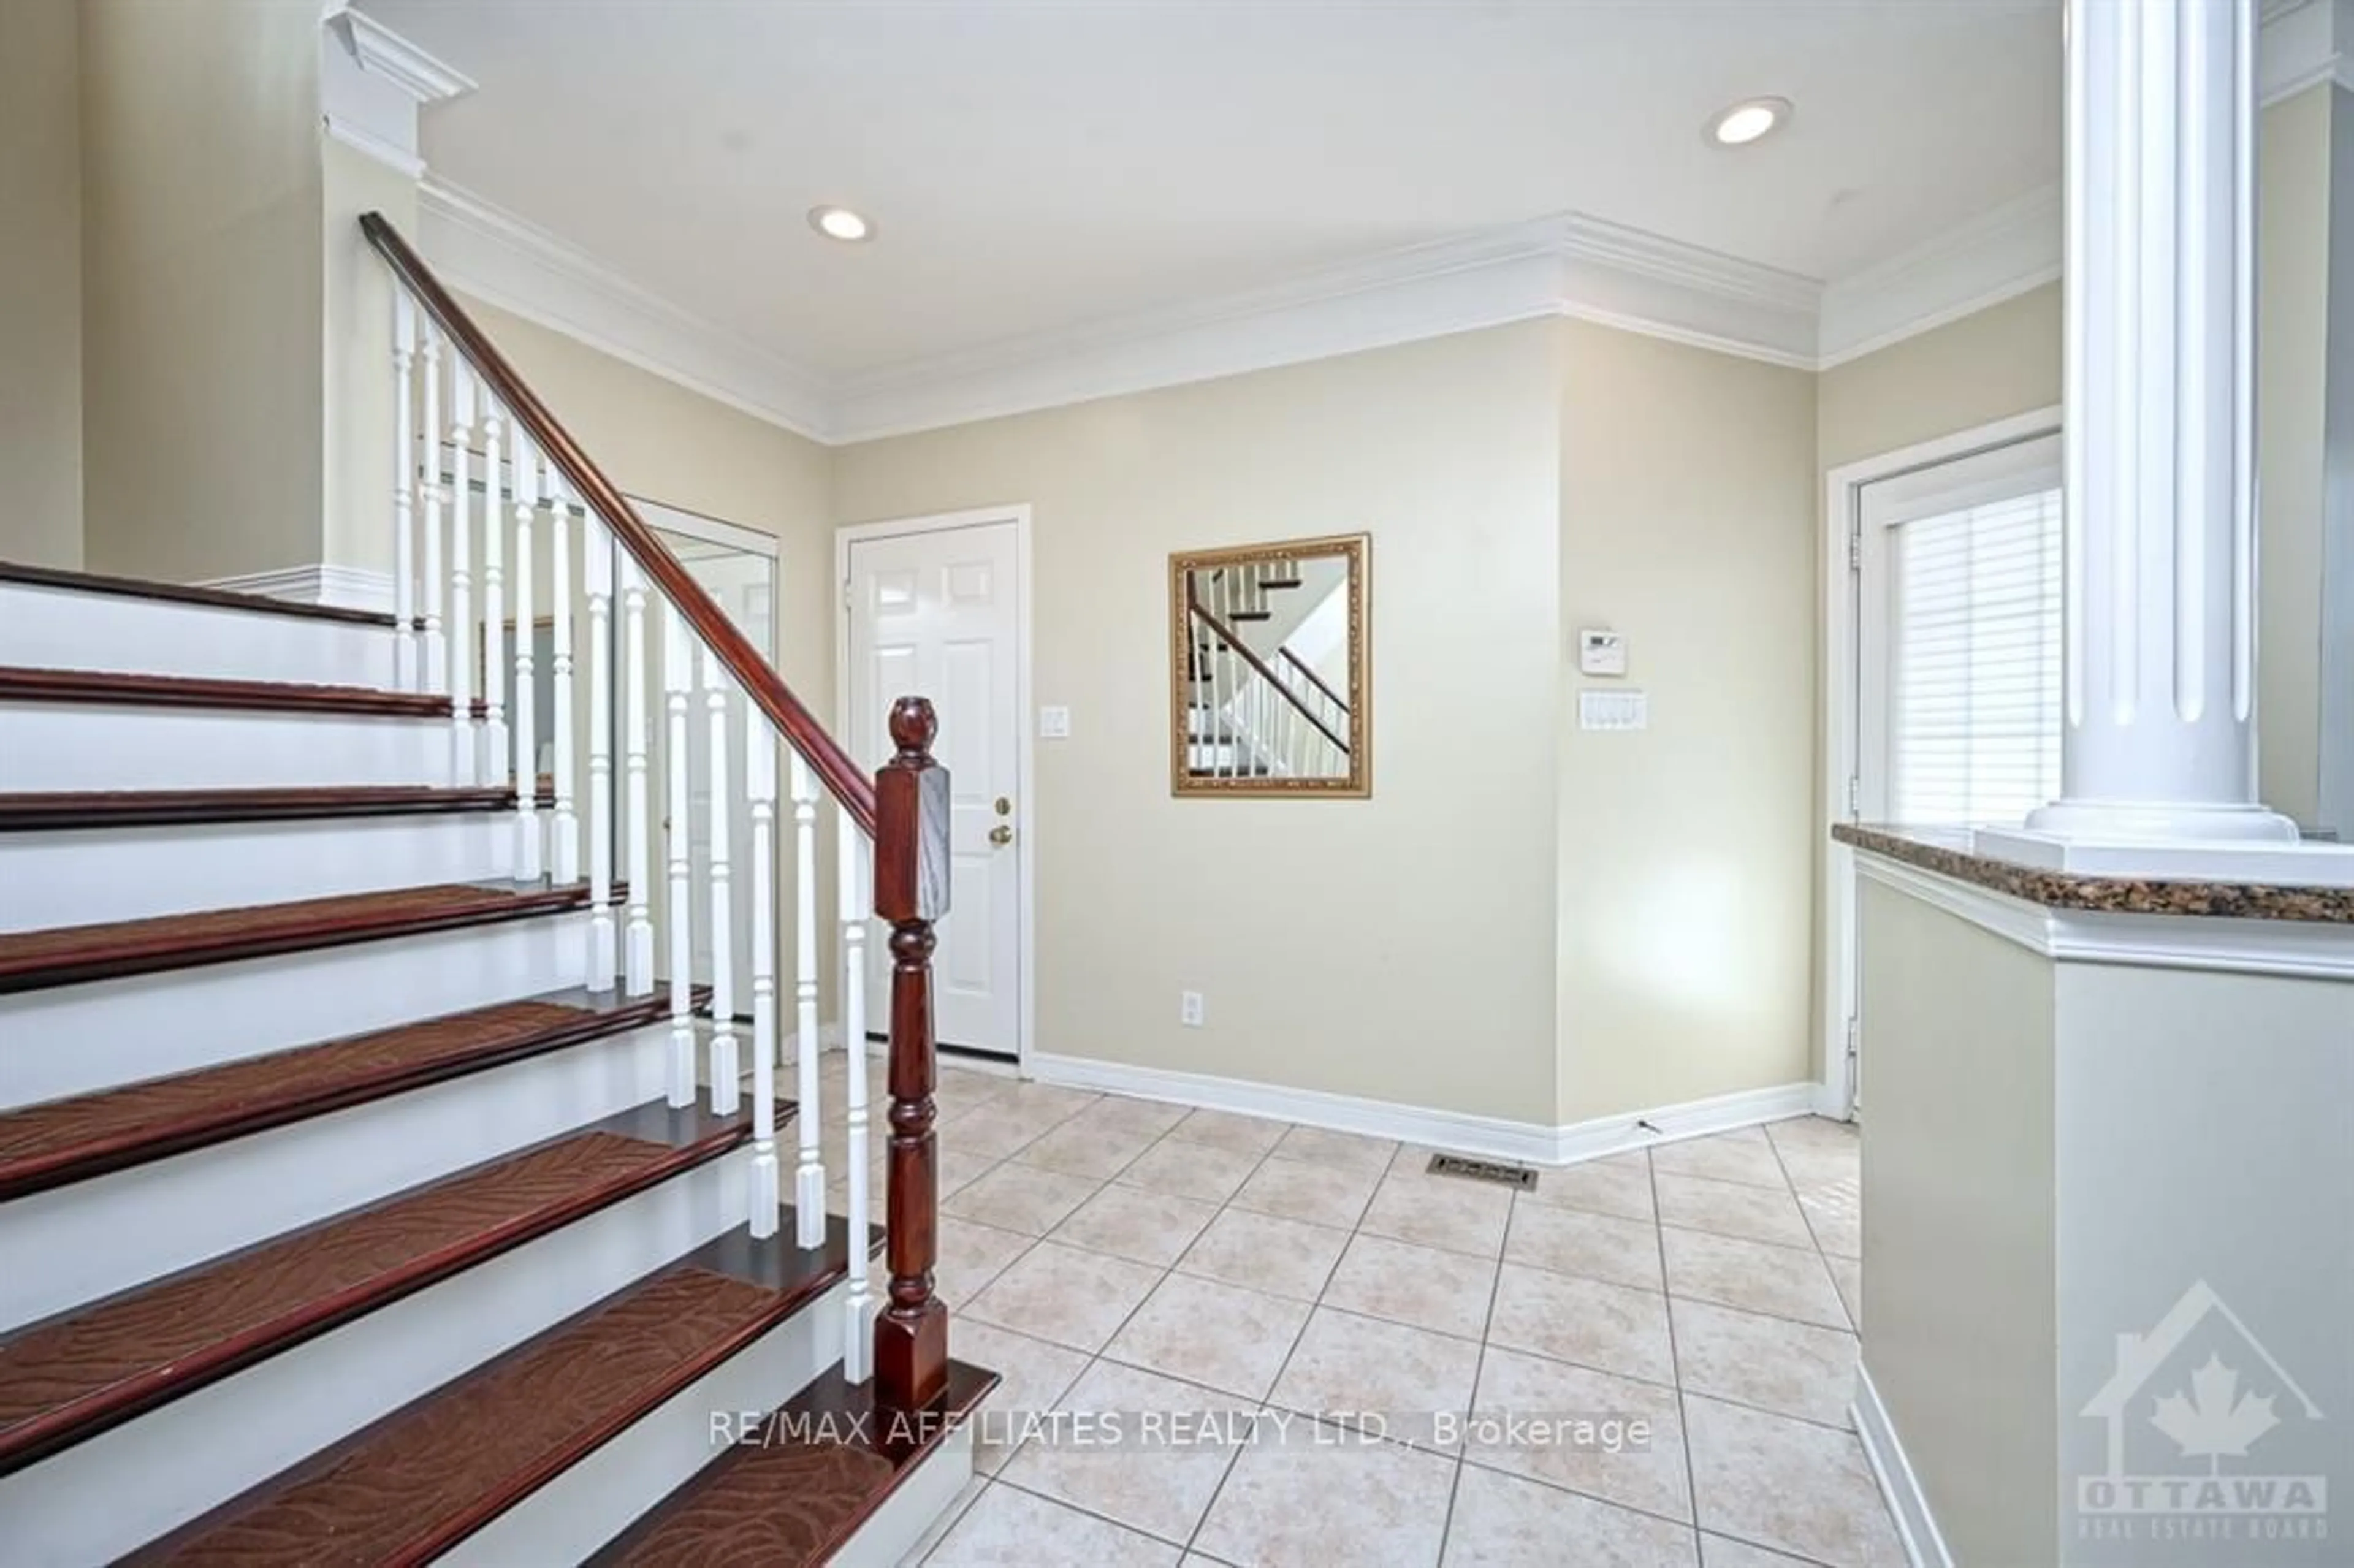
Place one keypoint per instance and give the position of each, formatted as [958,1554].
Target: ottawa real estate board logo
[2209,1439]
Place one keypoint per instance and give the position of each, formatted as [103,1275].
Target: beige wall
[2293,308]
[2002,361]
[202,392]
[40,283]
[1959,1315]
[355,361]
[1401,948]
[1688,519]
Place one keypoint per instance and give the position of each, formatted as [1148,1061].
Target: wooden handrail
[759,679]
[1227,634]
[1293,659]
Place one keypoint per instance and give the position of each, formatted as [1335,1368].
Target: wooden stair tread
[74,1375]
[24,684]
[184,593]
[150,808]
[70,954]
[409,1486]
[60,1141]
[826,1460]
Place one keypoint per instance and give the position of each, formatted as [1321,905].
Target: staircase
[376,1182]
[1258,710]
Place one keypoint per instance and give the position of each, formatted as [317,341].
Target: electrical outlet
[1189,1009]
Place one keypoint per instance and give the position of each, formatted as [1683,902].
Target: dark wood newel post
[911,892]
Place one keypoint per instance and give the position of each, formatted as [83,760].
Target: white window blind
[1973,688]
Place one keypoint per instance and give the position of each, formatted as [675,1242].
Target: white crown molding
[1561,266]
[1994,256]
[2303,949]
[361,139]
[495,256]
[2304,43]
[384,53]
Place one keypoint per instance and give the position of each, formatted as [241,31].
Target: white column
[523,714]
[726,1070]
[404,479]
[855,891]
[563,823]
[2160,631]
[465,759]
[809,1176]
[678,681]
[597,573]
[760,787]
[637,842]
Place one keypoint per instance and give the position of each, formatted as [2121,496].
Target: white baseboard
[1916,1528]
[1495,1138]
[344,587]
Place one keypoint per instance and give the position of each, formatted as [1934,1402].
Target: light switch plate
[1613,710]
[1053,723]
[1601,653]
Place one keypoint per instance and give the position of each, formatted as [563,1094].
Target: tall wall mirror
[1271,684]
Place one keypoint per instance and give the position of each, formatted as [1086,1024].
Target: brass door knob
[1001,835]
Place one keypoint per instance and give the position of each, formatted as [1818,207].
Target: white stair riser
[893,1530]
[89,875]
[113,746]
[78,1242]
[65,629]
[72,1040]
[599,1498]
[101,1498]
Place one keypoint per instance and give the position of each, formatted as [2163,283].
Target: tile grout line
[1675,1360]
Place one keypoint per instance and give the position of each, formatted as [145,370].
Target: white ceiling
[1032,168]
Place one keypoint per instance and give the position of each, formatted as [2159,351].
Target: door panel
[935,615]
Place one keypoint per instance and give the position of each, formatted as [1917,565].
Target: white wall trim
[373,83]
[482,251]
[1916,1528]
[1496,1137]
[384,53]
[346,587]
[2298,949]
[1024,820]
[2303,44]
[1842,669]
[1995,257]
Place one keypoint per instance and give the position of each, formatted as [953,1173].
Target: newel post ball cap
[913,725]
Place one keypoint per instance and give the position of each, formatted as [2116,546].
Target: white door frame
[1024,743]
[1842,676]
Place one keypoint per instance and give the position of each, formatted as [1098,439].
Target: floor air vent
[1519,1176]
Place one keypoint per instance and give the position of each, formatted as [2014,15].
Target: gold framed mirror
[1270,675]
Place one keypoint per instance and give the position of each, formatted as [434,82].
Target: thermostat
[1601,653]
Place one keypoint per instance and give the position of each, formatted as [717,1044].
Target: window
[1961,568]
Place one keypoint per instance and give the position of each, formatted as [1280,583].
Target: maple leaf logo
[2217,1419]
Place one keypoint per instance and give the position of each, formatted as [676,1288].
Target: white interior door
[938,614]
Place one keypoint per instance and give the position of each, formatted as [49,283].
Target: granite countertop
[1947,851]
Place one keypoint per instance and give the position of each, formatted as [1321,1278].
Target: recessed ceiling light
[1747,120]
[840,223]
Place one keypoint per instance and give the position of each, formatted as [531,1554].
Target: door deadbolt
[1005,806]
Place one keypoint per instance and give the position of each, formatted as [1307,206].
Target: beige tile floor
[1119,1257]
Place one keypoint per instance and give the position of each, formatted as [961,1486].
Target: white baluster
[563,825]
[760,786]
[597,573]
[638,935]
[678,679]
[726,1070]
[494,602]
[809,1176]
[525,717]
[856,890]
[437,669]
[464,758]
[404,475]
